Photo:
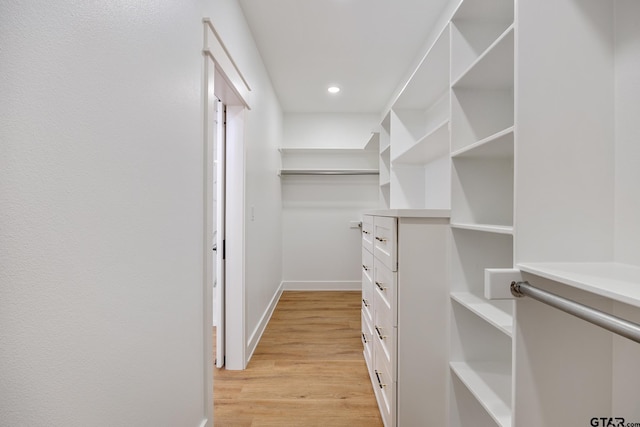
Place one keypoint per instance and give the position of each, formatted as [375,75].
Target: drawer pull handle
[379,285]
[380,239]
[379,381]
[382,337]
[365,267]
[365,302]
[365,232]
[364,338]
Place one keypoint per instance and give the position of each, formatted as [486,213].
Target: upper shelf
[330,151]
[494,68]
[349,161]
[617,281]
[500,144]
[433,145]
[429,80]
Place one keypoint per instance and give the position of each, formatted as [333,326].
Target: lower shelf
[490,384]
[496,312]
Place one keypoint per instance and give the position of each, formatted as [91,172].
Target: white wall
[101,225]
[627,132]
[263,135]
[313,130]
[320,250]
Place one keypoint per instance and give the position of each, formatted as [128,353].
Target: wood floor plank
[308,369]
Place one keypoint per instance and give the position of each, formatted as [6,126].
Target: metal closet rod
[328,172]
[607,321]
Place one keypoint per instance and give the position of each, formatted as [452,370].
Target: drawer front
[384,387]
[367,341]
[385,286]
[367,232]
[367,283]
[385,333]
[385,241]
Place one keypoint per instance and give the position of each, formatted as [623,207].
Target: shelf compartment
[421,186]
[431,146]
[500,144]
[482,191]
[430,79]
[481,357]
[482,100]
[410,126]
[472,252]
[474,27]
[373,144]
[616,281]
[488,383]
[477,114]
[384,151]
[494,68]
[497,313]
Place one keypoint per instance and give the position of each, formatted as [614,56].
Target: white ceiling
[366,47]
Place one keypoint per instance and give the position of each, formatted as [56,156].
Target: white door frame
[223,80]
[220,209]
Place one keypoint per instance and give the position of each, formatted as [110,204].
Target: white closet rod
[607,321]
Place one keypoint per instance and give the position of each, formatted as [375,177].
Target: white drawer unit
[404,323]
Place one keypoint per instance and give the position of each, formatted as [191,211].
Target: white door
[219,221]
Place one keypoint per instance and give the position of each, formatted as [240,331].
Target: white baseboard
[344,285]
[259,330]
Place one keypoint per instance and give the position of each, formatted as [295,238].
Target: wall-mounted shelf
[619,282]
[331,161]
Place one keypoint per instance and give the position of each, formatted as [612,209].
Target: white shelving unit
[482,203]
[539,108]
[419,134]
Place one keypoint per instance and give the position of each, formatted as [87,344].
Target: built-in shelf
[492,69]
[488,382]
[374,142]
[488,228]
[497,313]
[385,150]
[430,80]
[385,184]
[433,145]
[619,282]
[498,145]
[328,172]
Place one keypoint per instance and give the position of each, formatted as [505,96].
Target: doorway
[218,221]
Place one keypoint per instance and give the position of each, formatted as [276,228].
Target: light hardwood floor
[308,369]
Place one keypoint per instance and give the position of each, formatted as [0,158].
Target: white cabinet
[404,325]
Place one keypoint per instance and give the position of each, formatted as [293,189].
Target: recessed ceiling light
[333,89]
